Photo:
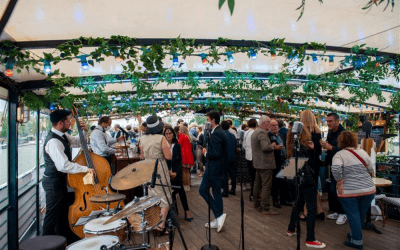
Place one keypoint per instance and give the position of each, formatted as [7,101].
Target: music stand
[289,167]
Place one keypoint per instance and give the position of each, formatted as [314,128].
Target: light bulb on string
[231,60]
[253,54]
[175,60]
[204,60]
[117,56]
[314,58]
[9,68]
[391,64]
[84,62]
[52,107]
[273,54]
[47,67]
[331,60]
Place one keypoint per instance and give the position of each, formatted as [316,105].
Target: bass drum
[95,243]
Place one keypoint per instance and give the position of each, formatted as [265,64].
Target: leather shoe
[277,205]
[232,192]
[225,195]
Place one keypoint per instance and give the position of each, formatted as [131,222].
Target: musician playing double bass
[57,157]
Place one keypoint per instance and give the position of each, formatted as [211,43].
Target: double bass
[82,206]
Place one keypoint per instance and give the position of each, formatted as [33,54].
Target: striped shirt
[356,180]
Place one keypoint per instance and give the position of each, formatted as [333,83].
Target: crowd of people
[252,155]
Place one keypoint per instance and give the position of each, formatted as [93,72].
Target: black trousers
[279,188]
[252,171]
[231,169]
[333,201]
[309,197]
[182,196]
[57,204]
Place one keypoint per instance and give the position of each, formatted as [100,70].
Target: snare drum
[95,243]
[150,208]
[95,228]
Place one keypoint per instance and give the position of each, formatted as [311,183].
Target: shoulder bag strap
[358,157]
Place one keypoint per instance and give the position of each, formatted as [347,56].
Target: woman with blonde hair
[308,119]
[307,188]
[185,140]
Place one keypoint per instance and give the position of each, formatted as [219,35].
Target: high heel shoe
[251,198]
[188,218]
[320,216]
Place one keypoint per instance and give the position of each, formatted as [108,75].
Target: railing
[27,207]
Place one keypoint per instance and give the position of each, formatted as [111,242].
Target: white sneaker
[333,216]
[221,221]
[214,224]
[342,218]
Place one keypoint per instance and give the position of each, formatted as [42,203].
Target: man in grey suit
[264,163]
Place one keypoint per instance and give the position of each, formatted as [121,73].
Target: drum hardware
[172,214]
[96,227]
[108,198]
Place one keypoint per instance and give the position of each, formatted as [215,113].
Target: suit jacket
[283,134]
[263,151]
[175,165]
[217,153]
[231,147]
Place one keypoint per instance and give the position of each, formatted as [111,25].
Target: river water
[26,160]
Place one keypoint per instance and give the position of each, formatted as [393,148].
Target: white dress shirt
[247,144]
[101,142]
[55,149]
[232,131]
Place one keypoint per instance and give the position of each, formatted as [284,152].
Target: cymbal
[133,175]
[107,198]
[134,207]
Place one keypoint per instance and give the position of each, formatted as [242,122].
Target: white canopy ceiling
[340,23]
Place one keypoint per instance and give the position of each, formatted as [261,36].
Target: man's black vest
[50,168]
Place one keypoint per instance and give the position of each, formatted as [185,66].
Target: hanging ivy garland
[140,61]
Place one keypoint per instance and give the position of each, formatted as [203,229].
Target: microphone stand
[296,150]
[208,246]
[241,193]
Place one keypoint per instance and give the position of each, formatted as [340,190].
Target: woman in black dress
[174,165]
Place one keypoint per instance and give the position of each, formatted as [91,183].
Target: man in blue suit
[213,175]
[230,162]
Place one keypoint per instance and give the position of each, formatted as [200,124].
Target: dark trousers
[262,188]
[356,210]
[231,170]
[309,197]
[182,196]
[215,184]
[252,171]
[334,204]
[56,217]
[279,188]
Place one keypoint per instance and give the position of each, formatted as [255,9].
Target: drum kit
[139,216]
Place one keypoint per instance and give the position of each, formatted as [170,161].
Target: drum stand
[172,215]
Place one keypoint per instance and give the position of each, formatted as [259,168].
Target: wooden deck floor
[267,232]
